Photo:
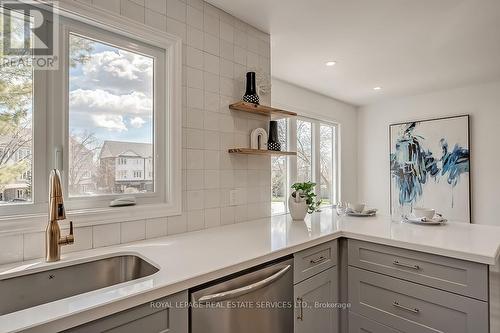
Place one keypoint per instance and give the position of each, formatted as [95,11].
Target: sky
[111,95]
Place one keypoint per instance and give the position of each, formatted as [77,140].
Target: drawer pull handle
[397,305]
[317,260]
[301,309]
[402,264]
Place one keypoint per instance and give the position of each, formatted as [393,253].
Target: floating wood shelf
[261,109]
[249,151]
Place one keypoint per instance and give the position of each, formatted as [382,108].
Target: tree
[15,119]
[16,107]
[304,155]
[278,165]
[82,159]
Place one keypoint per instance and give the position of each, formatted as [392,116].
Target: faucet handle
[69,239]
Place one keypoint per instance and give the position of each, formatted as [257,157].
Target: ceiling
[405,46]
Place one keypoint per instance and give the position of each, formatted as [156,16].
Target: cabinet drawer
[458,276]
[413,308]
[360,324]
[160,316]
[314,260]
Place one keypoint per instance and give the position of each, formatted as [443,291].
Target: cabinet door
[316,300]
[160,316]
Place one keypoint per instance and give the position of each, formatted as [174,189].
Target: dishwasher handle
[244,290]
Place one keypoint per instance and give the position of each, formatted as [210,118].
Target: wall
[218,49]
[311,104]
[481,102]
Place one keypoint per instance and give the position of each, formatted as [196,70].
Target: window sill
[87,217]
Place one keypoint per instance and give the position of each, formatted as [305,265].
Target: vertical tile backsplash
[218,49]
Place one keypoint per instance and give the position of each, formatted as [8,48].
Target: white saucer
[434,221]
[366,213]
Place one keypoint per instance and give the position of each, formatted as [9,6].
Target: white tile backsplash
[195,37]
[218,49]
[177,224]
[156,20]
[227,215]
[176,9]
[133,231]
[132,10]
[12,248]
[196,220]
[84,240]
[159,6]
[212,217]
[211,24]
[157,227]
[195,17]
[34,245]
[106,234]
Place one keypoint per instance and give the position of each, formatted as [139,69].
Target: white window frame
[316,168]
[50,138]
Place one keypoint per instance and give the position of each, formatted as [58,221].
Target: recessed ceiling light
[377,88]
[331,63]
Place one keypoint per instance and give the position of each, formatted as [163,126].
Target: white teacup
[420,212]
[358,207]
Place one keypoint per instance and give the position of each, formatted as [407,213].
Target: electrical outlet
[233,197]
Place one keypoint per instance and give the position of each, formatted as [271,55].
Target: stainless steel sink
[29,290]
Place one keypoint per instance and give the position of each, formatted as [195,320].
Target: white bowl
[358,208]
[428,213]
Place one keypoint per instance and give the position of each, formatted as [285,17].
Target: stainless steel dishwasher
[259,300]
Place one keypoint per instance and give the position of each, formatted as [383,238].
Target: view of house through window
[16,130]
[110,120]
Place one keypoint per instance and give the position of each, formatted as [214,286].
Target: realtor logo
[29,34]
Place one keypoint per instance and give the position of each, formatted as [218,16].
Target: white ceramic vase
[297,206]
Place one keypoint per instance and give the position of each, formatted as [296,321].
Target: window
[112,112]
[327,167]
[304,151]
[316,157]
[316,145]
[16,120]
[279,165]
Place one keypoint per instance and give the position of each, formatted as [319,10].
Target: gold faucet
[53,239]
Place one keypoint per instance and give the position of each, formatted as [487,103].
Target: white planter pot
[298,210]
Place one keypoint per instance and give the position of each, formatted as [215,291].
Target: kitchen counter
[190,259]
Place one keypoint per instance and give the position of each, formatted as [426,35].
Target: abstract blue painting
[430,167]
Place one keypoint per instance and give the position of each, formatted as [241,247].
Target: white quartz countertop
[190,259]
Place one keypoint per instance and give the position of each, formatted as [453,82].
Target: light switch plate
[233,195]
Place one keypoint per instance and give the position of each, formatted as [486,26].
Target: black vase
[273,142]
[251,92]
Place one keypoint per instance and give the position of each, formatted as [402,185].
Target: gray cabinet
[360,324]
[454,275]
[316,300]
[316,259]
[413,308]
[165,315]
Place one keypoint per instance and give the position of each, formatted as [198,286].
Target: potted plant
[303,200]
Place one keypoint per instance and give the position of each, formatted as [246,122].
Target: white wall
[311,104]
[482,102]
